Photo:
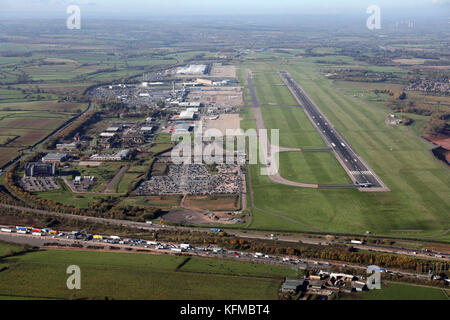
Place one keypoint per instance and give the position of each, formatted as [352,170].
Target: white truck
[185,246]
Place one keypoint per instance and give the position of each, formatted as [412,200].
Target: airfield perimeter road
[353,164]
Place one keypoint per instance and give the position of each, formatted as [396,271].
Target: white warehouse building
[194,69]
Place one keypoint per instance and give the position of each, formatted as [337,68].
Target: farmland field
[138,276]
[51,105]
[23,124]
[6,154]
[419,185]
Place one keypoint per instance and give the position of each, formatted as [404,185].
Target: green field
[419,122]
[5,246]
[128,179]
[159,147]
[163,138]
[138,276]
[312,167]
[103,173]
[419,184]
[397,291]
[52,106]
[296,131]
[23,124]
[65,196]
[270,89]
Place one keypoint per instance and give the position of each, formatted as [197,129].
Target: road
[247,234]
[110,186]
[175,249]
[360,173]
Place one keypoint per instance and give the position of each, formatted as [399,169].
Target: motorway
[359,172]
[67,241]
[242,234]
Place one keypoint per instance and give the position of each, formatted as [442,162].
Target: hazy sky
[128,8]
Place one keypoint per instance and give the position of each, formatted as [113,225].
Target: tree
[23,77]
[8,252]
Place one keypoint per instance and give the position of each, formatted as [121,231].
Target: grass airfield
[419,184]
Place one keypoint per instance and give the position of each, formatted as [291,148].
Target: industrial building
[205,82]
[113,129]
[190,104]
[107,134]
[182,128]
[293,286]
[149,84]
[36,169]
[146,129]
[186,115]
[66,146]
[108,157]
[55,157]
[193,69]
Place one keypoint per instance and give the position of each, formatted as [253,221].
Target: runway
[359,172]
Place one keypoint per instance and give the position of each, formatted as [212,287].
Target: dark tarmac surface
[356,168]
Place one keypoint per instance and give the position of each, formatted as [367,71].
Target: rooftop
[292,284]
[107,134]
[54,156]
[193,69]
